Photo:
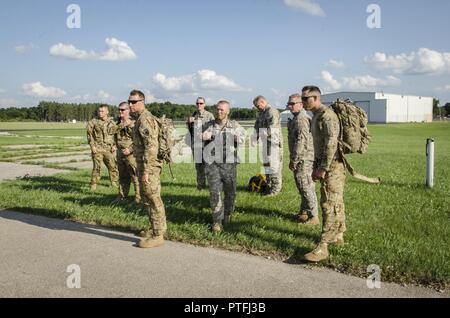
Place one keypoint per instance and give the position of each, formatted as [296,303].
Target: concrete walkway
[36,251]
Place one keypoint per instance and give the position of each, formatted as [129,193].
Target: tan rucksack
[354,136]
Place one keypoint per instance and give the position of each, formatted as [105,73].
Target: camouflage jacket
[124,136]
[325,129]
[225,139]
[270,120]
[300,139]
[100,133]
[145,140]
[201,118]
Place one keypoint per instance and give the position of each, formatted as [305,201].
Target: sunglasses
[122,109]
[305,98]
[200,103]
[292,103]
[134,101]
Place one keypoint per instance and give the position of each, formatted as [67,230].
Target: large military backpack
[165,138]
[354,135]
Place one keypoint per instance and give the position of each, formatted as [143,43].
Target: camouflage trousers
[201,175]
[221,177]
[273,171]
[306,188]
[332,202]
[108,157]
[151,193]
[127,172]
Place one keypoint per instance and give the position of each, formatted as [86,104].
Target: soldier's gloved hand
[292,166]
[318,174]
[94,150]
[207,135]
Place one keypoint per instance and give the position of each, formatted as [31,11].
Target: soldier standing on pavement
[149,167]
[222,137]
[329,169]
[126,162]
[195,123]
[301,149]
[100,136]
[268,129]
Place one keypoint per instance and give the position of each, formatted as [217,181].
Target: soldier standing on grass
[100,136]
[329,169]
[301,149]
[222,137]
[126,161]
[196,122]
[149,167]
[268,128]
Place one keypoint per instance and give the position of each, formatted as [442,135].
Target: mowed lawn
[399,225]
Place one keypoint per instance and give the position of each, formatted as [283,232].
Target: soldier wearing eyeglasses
[100,136]
[149,167]
[301,149]
[329,169]
[126,162]
[196,123]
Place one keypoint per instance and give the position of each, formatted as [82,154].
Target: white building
[388,108]
[285,116]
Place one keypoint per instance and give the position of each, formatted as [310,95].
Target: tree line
[65,112]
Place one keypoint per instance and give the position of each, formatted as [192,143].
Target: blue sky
[177,50]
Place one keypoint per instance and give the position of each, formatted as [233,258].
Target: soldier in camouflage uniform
[222,137]
[126,162]
[100,136]
[149,167]
[301,149]
[268,128]
[329,169]
[196,122]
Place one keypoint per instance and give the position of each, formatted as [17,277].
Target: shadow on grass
[36,219]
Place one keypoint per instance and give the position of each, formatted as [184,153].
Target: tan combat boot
[152,241]
[93,187]
[145,233]
[339,240]
[217,227]
[320,253]
[313,221]
[302,217]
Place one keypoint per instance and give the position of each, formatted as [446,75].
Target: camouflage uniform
[201,118]
[126,164]
[221,160]
[325,128]
[100,136]
[301,149]
[272,145]
[145,148]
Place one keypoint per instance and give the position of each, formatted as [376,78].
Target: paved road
[35,252]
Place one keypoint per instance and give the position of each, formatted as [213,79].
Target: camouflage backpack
[354,136]
[258,184]
[165,138]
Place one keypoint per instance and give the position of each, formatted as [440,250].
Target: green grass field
[399,225]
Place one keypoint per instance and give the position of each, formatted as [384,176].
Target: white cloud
[8,102]
[307,6]
[358,83]
[38,90]
[424,61]
[117,51]
[445,88]
[22,49]
[335,64]
[101,96]
[207,80]
[328,78]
